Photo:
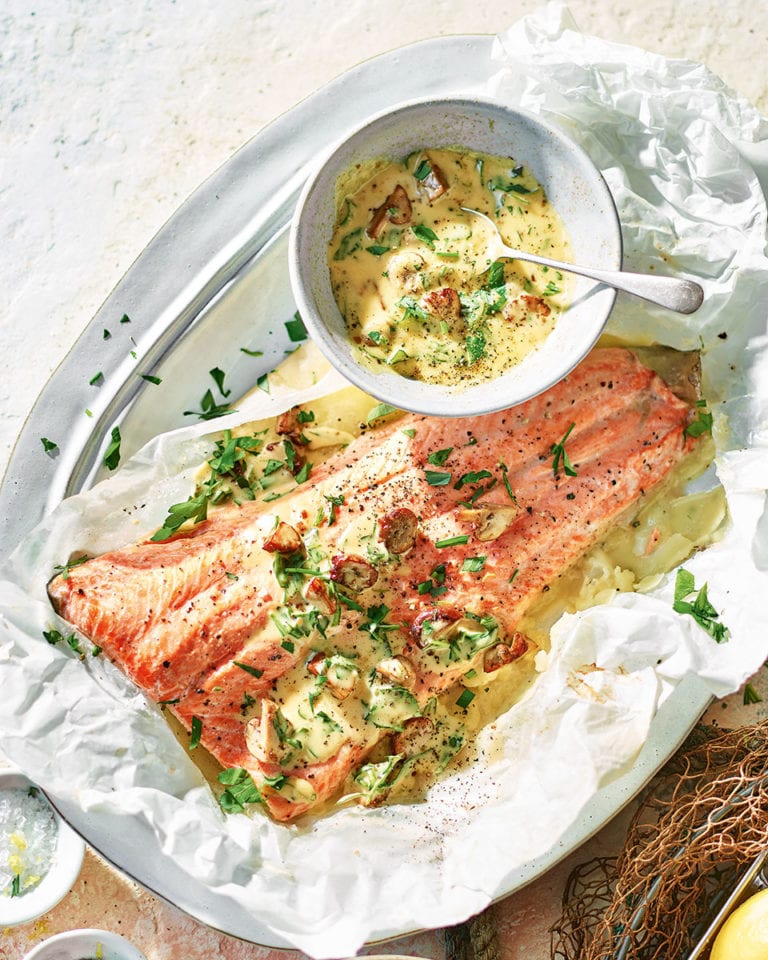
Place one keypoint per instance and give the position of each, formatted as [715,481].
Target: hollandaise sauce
[411,273]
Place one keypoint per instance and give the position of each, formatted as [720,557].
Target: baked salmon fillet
[294,637]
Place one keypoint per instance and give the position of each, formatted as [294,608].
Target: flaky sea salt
[28,834]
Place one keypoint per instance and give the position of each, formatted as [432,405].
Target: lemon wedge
[744,935]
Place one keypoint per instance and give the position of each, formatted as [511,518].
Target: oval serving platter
[197,303]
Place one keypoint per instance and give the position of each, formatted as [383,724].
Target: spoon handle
[682,296]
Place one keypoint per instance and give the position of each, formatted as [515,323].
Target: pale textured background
[111,113]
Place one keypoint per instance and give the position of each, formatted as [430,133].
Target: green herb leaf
[496,274]
[249,669]
[559,454]
[218,378]
[16,885]
[112,455]
[409,432]
[263,383]
[751,695]
[151,379]
[412,309]
[476,344]
[105,335]
[125,318]
[209,409]
[195,509]
[378,249]
[48,445]
[251,353]
[465,699]
[96,379]
[195,733]
[425,234]
[437,478]
[472,477]
[453,541]
[64,568]
[380,410]
[296,329]
[439,457]
[423,170]
[699,608]
[240,790]
[303,475]
[473,564]
[348,244]
[702,424]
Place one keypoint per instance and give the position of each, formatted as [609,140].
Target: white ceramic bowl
[85,945]
[56,884]
[573,185]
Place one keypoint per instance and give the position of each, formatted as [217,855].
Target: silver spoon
[682,296]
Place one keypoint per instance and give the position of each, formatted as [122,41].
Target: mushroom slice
[398,529]
[433,623]
[317,593]
[489,522]
[284,539]
[353,573]
[288,423]
[341,674]
[434,184]
[503,653]
[416,737]
[395,209]
[443,304]
[261,738]
[398,670]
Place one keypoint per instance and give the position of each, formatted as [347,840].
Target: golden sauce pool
[412,278]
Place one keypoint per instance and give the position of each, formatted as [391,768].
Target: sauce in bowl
[411,275]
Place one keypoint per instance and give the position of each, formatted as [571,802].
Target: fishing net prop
[699,823]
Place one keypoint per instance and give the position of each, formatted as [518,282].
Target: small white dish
[86,944]
[58,881]
[571,181]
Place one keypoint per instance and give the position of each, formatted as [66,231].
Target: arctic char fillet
[421,575]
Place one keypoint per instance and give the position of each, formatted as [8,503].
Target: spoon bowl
[682,296]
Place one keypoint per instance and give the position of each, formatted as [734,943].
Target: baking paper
[682,155]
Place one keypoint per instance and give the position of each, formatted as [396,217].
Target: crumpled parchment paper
[682,156]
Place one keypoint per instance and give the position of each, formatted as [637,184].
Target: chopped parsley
[150,378]
[348,244]
[425,234]
[48,445]
[471,478]
[16,885]
[699,607]
[437,478]
[240,790]
[465,699]
[702,423]
[296,329]
[473,564]
[112,454]
[96,379]
[423,170]
[195,733]
[439,457]
[380,410]
[218,378]
[251,353]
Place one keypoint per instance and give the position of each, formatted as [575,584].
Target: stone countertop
[110,116]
